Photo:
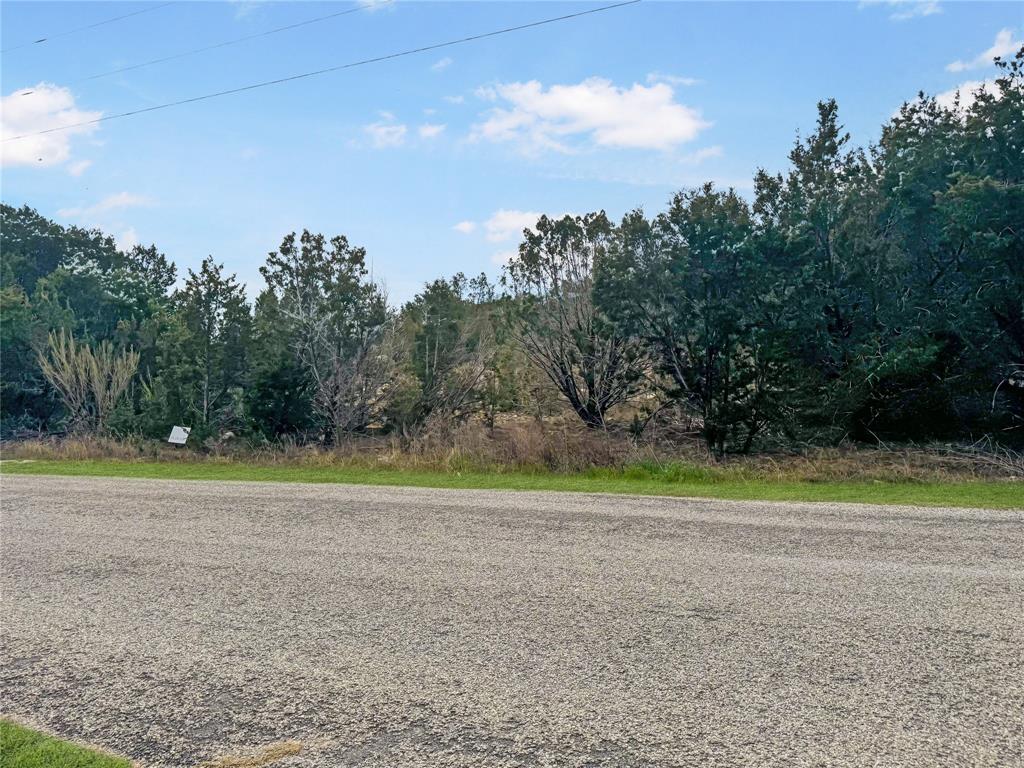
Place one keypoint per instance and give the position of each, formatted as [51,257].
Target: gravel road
[175,622]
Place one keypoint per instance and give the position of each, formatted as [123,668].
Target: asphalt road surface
[175,622]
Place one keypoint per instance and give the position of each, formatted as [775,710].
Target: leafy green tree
[340,326]
[33,247]
[450,345]
[280,389]
[202,357]
[821,234]
[687,285]
[553,317]
[27,403]
[951,178]
[58,278]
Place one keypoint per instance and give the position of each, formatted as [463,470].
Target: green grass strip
[672,481]
[22,747]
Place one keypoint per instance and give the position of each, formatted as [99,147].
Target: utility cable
[339,67]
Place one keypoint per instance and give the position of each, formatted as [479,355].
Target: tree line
[865,293]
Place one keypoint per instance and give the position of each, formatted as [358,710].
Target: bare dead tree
[351,381]
[450,393]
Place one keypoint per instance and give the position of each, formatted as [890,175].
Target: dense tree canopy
[866,294]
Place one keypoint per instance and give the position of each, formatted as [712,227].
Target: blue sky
[435,161]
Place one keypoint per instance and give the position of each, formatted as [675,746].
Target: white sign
[179,435]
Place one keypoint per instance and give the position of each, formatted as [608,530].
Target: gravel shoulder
[176,621]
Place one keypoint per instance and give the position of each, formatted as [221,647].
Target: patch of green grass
[22,747]
[668,480]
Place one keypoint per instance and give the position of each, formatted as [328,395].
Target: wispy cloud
[377,5]
[431,130]
[661,77]
[704,153]
[441,64]
[383,134]
[505,224]
[29,110]
[79,167]
[594,112]
[1003,46]
[901,10]
[116,202]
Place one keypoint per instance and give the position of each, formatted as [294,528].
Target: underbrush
[528,447]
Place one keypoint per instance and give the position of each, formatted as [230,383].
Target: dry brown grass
[527,445]
[267,755]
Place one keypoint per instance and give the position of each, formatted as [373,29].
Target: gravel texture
[176,621]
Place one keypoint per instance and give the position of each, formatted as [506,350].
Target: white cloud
[661,77]
[505,224]
[906,9]
[639,117]
[455,99]
[384,135]
[376,5]
[127,239]
[117,202]
[441,64]
[29,110]
[246,8]
[703,154]
[79,167]
[1003,46]
[430,130]
[501,258]
[966,91]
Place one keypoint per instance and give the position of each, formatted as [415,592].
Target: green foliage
[58,278]
[280,389]
[553,317]
[449,346]
[201,357]
[689,285]
[873,294]
[339,326]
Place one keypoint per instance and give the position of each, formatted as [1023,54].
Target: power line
[86,27]
[226,43]
[337,68]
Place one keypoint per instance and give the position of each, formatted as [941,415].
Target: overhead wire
[326,70]
[226,43]
[66,32]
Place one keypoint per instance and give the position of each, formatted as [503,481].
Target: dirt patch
[269,754]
